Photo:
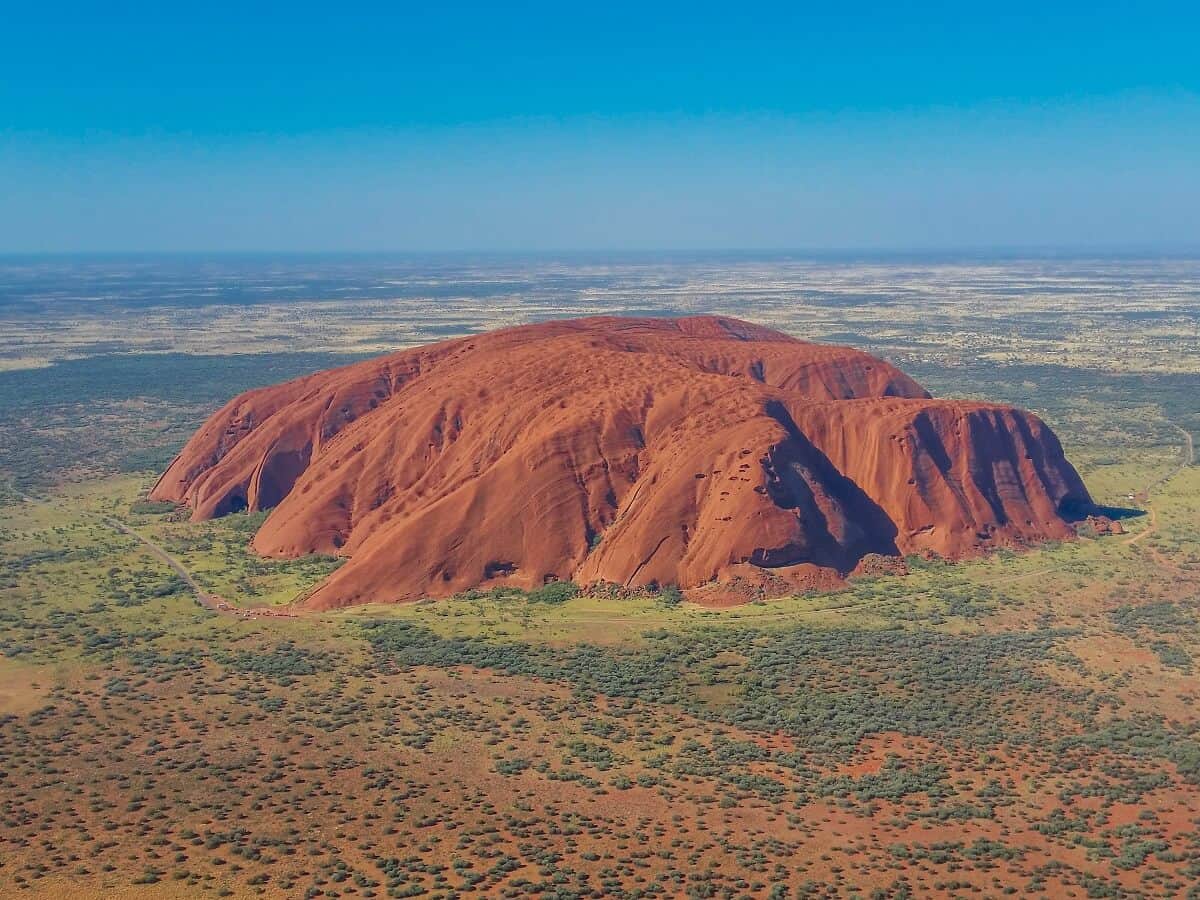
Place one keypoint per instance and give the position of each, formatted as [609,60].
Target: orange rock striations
[635,451]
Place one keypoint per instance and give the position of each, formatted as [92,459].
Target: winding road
[1189,458]
[206,599]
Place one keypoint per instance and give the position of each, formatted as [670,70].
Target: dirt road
[1189,458]
[208,600]
[204,598]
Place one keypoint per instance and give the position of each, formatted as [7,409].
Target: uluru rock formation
[630,450]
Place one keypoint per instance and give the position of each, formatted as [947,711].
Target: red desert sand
[638,451]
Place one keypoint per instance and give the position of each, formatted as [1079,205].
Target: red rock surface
[635,451]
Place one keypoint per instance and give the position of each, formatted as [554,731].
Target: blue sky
[131,127]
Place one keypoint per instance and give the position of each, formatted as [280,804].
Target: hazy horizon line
[1100,251]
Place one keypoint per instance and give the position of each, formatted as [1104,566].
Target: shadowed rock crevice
[866,527]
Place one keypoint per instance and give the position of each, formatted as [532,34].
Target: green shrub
[554,592]
[670,595]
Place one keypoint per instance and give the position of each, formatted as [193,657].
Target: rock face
[635,451]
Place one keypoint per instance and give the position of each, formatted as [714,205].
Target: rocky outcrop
[634,451]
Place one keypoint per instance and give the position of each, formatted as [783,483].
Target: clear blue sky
[511,126]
